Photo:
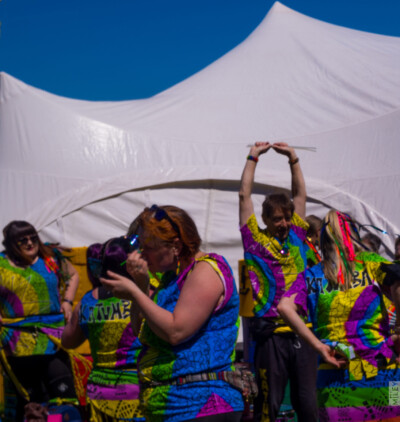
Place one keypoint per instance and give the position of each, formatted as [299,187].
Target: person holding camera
[112,389]
[190,324]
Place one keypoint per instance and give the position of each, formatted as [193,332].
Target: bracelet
[252,158]
[294,161]
[68,301]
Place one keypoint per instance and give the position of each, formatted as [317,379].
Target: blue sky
[130,49]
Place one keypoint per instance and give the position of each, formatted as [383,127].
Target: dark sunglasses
[161,214]
[24,240]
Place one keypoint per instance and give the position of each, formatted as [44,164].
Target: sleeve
[299,226]
[391,273]
[299,288]
[249,232]
[384,272]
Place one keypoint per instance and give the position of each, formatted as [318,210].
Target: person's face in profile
[160,256]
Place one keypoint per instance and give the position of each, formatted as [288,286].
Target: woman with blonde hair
[345,298]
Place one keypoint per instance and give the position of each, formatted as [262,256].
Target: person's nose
[284,223]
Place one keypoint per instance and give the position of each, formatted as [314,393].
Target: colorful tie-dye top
[273,266]
[312,254]
[106,323]
[29,305]
[354,322]
[210,350]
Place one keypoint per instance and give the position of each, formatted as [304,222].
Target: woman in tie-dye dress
[113,386]
[37,289]
[190,327]
[345,295]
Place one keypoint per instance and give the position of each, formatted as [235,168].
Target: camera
[115,253]
[111,256]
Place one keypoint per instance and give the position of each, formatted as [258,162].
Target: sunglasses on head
[161,214]
[34,238]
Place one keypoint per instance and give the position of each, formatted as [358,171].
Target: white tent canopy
[81,171]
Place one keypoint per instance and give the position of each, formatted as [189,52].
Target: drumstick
[312,149]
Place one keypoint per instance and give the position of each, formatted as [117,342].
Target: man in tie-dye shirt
[276,257]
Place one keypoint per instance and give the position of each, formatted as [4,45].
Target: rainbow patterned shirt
[273,267]
[355,321]
[30,306]
[106,323]
[210,350]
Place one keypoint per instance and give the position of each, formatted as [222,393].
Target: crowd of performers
[162,317]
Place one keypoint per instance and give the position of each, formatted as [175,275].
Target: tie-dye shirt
[210,350]
[106,323]
[273,266]
[313,256]
[354,321]
[30,306]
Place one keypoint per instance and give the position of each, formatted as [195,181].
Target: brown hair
[372,242]
[277,201]
[161,228]
[14,231]
[314,225]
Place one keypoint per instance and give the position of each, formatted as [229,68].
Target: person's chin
[30,254]
[283,236]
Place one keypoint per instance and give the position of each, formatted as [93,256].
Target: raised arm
[299,193]
[199,296]
[246,207]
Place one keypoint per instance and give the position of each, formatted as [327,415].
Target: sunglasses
[25,240]
[161,214]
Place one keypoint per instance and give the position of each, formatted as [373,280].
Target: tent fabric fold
[81,171]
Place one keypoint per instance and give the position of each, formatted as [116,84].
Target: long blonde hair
[339,245]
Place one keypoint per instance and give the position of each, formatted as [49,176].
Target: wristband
[294,161]
[252,158]
[68,301]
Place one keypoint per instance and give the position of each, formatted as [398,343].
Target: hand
[260,148]
[331,356]
[284,149]
[138,269]
[120,286]
[66,309]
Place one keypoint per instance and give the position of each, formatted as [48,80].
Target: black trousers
[278,359]
[223,417]
[44,377]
